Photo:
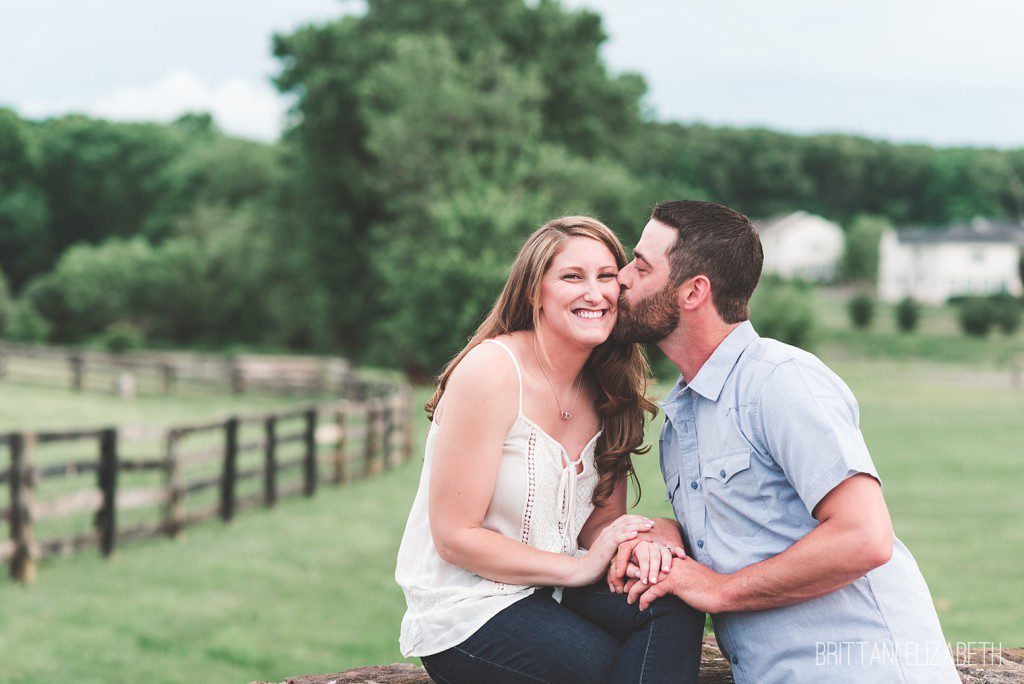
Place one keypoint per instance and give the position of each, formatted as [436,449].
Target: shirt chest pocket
[734,500]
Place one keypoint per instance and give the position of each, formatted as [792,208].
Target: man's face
[648,307]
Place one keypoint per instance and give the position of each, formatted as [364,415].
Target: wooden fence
[169,372]
[66,491]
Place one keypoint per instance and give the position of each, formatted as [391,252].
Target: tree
[976,316]
[782,310]
[25,238]
[860,258]
[424,137]
[862,310]
[908,313]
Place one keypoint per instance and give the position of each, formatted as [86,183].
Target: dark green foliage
[861,252]
[24,214]
[120,337]
[434,138]
[908,313]
[1006,312]
[861,310]
[977,316]
[783,311]
[6,305]
[26,324]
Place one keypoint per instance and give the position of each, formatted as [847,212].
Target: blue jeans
[592,636]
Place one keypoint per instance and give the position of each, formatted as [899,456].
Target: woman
[522,500]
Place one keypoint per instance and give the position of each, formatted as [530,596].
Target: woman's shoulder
[483,383]
[486,365]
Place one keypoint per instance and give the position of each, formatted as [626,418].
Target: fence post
[77,362]
[168,376]
[237,376]
[106,517]
[406,424]
[23,565]
[227,481]
[309,486]
[340,462]
[270,461]
[172,478]
[388,437]
[369,439]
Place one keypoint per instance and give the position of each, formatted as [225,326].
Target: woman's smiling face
[579,293]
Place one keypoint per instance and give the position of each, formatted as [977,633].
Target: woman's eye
[571,276]
[608,275]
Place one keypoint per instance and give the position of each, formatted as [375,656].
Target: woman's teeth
[586,313]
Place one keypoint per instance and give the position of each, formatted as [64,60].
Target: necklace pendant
[566,415]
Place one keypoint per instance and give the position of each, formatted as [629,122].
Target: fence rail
[168,372]
[204,464]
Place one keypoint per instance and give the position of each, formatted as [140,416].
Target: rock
[981,667]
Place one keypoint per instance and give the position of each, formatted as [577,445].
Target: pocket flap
[723,466]
[671,484]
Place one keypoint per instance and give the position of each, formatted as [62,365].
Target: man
[791,549]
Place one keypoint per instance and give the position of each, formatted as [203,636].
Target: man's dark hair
[719,243]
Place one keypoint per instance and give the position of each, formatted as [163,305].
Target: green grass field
[308,587]
[937,338]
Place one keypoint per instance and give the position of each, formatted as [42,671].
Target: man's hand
[698,585]
[649,558]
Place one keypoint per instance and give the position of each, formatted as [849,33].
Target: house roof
[976,230]
[781,222]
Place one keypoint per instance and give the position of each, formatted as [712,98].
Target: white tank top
[536,500]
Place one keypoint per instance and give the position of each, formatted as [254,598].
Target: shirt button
[721,473]
[735,660]
[693,485]
[700,543]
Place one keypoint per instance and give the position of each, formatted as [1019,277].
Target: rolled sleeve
[810,426]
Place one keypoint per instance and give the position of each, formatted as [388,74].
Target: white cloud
[247,108]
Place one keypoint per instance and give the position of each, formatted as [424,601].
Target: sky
[933,71]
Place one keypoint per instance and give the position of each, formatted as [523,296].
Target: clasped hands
[654,564]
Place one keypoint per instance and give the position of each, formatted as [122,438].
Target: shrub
[908,313]
[1006,312]
[26,324]
[783,311]
[6,304]
[862,310]
[120,337]
[976,316]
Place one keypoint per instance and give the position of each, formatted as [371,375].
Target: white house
[801,245]
[980,257]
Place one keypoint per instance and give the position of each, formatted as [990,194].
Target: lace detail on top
[531,487]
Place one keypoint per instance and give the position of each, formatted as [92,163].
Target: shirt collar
[711,377]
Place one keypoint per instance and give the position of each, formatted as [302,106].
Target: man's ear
[694,292]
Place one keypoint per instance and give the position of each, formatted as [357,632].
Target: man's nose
[621,279]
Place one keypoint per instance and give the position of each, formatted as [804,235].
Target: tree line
[427,140]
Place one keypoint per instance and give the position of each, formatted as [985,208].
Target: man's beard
[649,320]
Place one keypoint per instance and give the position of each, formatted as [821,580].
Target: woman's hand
[594,565]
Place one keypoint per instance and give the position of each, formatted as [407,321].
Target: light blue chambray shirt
[748,449]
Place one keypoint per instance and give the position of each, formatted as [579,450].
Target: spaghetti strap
[519,373]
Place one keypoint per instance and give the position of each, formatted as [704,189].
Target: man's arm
[854,537]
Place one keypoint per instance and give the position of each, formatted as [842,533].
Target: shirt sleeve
[809,421]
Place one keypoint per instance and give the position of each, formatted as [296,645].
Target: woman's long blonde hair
[619,371]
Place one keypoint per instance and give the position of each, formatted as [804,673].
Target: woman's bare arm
[603,515]
[478,408]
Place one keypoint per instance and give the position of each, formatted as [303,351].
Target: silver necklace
[566,415]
